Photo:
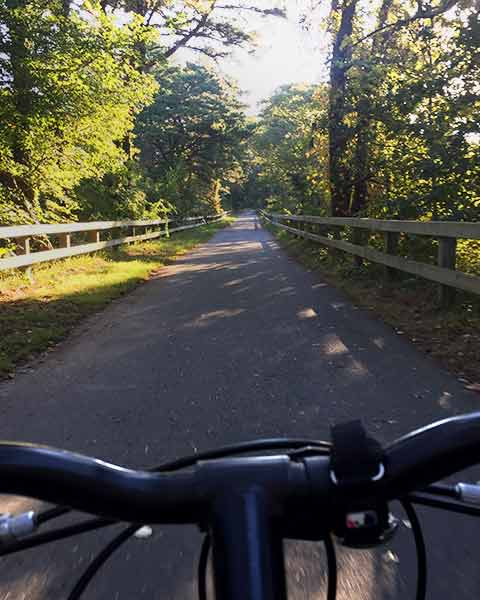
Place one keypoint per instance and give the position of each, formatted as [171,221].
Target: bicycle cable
[331,567]
[262,445]
[242,448]
[420,547]
[56,535]
[100,560]
[50,514]
[223,452]
[202,568]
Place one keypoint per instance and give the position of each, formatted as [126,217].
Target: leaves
[192,137]
[289,147]
[70,95]
[396,134]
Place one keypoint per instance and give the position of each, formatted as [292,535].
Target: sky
[285,54]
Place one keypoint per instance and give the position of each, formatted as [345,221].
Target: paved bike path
[232,342]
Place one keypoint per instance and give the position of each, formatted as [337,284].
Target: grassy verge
[35,314]
[409,305]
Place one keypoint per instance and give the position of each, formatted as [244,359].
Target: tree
[70,91]
[365,67]
[339,130]
[290,146]
[192,137]
[207,27]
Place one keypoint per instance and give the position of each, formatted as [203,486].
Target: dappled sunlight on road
[307,313]
[445,400]
[288,290]
[332,345]
[207,318]
[242,280]
[231,342]
[379,343]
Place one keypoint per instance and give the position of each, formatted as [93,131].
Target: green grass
[36,313]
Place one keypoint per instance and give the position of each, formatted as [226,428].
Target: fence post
[65,240]
[334,231]
[94,237]
[391,247]
[23,247]
[299,225]
[447,258]
[357,239]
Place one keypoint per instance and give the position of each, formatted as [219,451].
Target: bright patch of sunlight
[445,400]
[379,343]
[307,313]
[473,138]
[207,318]
[319,285]
[357,369]
[288,54]
[333,345]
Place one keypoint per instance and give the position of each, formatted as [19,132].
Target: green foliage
[127,193]
[396,131]
[74,78]
[425,137]
[192,138]
[70,91]
[95,123]
[289,149]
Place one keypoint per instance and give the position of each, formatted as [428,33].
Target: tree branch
[183,41]
[268,12]
[420,14]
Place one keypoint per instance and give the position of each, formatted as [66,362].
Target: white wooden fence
[67,235]
[446,232]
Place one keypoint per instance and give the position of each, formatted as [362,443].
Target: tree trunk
[364,123]
[361,158]
[216,199]
[338,131]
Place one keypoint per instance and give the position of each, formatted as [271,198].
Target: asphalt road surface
[232,342]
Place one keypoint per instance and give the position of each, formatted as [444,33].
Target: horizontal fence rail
[447,234]
[136,231]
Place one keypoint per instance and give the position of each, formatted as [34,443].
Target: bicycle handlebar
[432,453]
[94,486]
[90,485]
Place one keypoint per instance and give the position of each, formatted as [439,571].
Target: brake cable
[125,534]
[420,547]
[55,535]
[100,560]
[244,448]
[222,452]
[202,568]
[331,567]
[50,513]
[182,463]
